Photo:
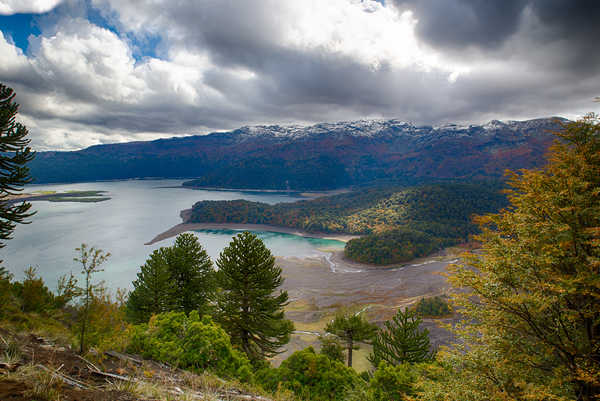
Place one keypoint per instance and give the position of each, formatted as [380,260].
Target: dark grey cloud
[459,23]
[223,64]
[568,27]
[488,24]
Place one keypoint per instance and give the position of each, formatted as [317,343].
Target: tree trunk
[350,347]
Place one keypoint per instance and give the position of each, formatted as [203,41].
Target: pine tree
[15,153]
[332,348]
[180,277]
[153,290]
[351,329]
[192,274]
[534,299]
[248,308]
[401,340]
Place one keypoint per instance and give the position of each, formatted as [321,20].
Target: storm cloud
[112,71]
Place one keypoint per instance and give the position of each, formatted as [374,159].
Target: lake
[137,211]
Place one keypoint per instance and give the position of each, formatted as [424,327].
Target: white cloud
[9,7]
[226,63]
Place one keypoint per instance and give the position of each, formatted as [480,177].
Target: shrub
[190,343]
[432,307]
[332,348]
[310,376]
[392,382]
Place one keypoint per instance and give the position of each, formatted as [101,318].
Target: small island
[53,196]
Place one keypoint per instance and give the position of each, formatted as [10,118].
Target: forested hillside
[398,224]
[322,156]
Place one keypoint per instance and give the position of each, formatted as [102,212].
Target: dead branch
[67,379]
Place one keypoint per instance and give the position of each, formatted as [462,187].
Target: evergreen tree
[192,274]
[153,290]
[248,308]
[15,153]
[401,340]
[332,348]
[534,302]
[180,277]
[351,329]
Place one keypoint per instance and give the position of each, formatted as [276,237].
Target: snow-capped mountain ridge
[380,127]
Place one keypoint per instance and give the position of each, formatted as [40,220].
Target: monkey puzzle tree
[248,307]
[351,328]
[176,278]
[153,291]
[15,153]
[401,340]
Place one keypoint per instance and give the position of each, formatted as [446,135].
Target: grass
[125,386]
[43,385]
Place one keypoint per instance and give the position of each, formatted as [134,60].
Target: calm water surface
[136,212]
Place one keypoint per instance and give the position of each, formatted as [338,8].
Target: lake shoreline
[184,227]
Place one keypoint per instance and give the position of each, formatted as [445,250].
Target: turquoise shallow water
[137,211]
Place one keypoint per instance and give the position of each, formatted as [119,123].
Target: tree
[90,259]
[332,348]
[33,293]
[191,272]
[153,289]
[351,329]
[401,340]
[534,299]
[248,308]
[15,153]
[180,277]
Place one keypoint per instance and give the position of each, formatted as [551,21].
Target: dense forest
[323,156]
[397,224]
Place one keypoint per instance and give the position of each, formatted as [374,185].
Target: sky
[101,71]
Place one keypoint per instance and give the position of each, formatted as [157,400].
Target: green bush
[432,307]
[310,376]
[392,382]
[332,348]
[190,343]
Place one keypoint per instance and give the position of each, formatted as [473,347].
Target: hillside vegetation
[397,224]
[322,156]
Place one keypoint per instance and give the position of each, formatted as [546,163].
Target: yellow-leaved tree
[531,326]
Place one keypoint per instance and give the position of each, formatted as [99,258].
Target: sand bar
[183,227]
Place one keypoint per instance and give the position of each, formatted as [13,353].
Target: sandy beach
[183,227]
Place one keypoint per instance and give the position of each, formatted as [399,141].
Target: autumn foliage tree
[533,311]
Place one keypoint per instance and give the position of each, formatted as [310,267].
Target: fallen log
[124,357]
[69,380]
[113,376]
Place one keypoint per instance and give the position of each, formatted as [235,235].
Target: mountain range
[321,156]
